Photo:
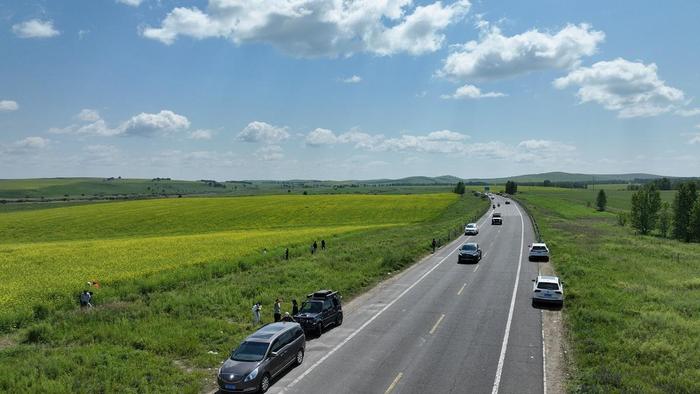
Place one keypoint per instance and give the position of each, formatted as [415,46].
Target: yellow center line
[393,384]
[432,330]
[462,289]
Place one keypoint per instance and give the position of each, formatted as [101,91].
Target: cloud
[309,28]
[144,124]
[496,56]
[694,138]
[8,105]
[320,137]
[471,92]
[35,28]
[201,134]
[131,3]
[25,146]
[270,153]
[688,112]
[263,132]
[82,34]
[353,79]
[633,89]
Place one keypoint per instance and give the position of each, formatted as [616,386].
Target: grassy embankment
[179,276]
[633,302]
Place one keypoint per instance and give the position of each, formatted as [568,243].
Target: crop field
[633,302]
[178,277]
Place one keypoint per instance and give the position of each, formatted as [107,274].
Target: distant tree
[601,201]
[511,187]
[459,189]
[645,208]
[694,225]
[663,183]
[547,183]
[682,204]
[664,219]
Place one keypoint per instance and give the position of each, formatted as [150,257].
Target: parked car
[496,218]
[469,253]
[471,229]
[262,356]
[320,310]
[507,202]
[548,289]
[538,252]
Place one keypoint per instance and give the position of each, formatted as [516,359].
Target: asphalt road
[438,327]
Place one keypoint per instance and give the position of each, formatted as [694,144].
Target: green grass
[167,326]
[633,302]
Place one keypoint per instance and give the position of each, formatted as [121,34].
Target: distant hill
[569,177]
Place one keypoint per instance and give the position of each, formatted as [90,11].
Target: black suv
[262,356]
[320,310]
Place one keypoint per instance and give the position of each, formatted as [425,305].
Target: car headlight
[252,375]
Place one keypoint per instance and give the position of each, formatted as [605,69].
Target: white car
[548,289]
[471,229]
[538,251]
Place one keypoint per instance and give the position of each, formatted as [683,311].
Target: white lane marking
[476,268]
[393,384]
[462,289]
[437,323]
[504,346]
[544,360]
[362,327]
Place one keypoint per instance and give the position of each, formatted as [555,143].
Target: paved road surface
[439,327]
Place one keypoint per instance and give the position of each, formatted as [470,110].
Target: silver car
[261,357]
[548,289]
[538,252]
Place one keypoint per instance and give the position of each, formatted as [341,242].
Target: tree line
[679,220]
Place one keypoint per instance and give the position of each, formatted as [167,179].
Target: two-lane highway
[439,327]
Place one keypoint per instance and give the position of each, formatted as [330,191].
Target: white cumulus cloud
[321,136]
[88,115]
[317,27]
[353,79]
[8,105]
[471,92]
[144,124]
[263,132]
[132,3]
[633,89]
[201,134]
[496,56]
[35,28]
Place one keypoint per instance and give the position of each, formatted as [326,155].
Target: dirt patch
[556,349]
[7,342]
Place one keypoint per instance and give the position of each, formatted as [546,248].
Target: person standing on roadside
[295,308]
[434,244]
[315,246]
[323,244]
[286,254]
[256,313]
[278,310]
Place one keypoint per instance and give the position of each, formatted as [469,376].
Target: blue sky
[247,89]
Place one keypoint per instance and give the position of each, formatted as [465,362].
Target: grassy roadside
[633,302]
[168,333]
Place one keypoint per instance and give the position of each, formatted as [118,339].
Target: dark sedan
[469,253]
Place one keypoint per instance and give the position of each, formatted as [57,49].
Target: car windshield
[539,248]
[250,351]
[311,307]
[547,286]
[469,247]
[471,225]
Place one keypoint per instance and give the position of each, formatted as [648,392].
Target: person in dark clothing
[277,310]
[85,299]
[323,244]
[434,245]
[286,254]
[312,248]
[295,308]
[315,246]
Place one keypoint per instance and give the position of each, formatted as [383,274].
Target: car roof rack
[321,294]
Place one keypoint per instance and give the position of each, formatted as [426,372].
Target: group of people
[314,246]
[277,311]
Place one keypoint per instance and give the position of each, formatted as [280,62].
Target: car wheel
[264,383]
[339,320]
[300,356]
[534,303]
[319,329]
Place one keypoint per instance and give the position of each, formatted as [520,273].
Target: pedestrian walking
[434,245]
[295,308]
[286,254]
[256,313]
[277,310]
[323,244]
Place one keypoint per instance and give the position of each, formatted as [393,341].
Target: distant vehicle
[499,204]
[497,220]
[538,252]
[320,310]
[262,356]
[470,253]
[548,289]
[507,202]
[494,206]
[471,229]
